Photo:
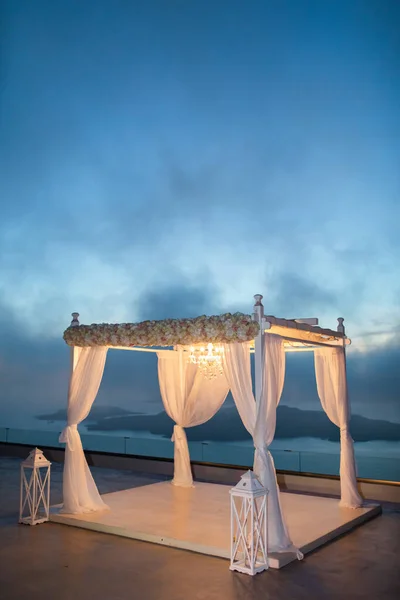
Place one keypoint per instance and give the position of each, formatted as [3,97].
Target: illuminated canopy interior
[199,361]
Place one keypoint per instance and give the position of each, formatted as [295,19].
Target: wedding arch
[199,361]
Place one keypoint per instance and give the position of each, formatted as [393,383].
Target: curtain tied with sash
[190,399]
[330,373]
[259,418]
[80,493]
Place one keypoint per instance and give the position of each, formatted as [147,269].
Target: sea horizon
[382,448]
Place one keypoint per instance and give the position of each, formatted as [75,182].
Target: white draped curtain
[79,489]
[190,399]
[330,373]
[259,418]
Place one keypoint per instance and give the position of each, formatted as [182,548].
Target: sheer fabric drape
[79,489]
[189,399]
[259,418]
[330,373]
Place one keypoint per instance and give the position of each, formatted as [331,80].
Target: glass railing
[300,461]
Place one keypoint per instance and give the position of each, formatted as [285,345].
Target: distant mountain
[226,425]
[96,414]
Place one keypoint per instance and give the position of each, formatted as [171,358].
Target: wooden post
[340,326]
[75,350]
[341,329]
[258,316]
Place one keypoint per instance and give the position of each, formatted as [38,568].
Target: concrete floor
[54,562]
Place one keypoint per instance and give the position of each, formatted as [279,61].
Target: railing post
[202,450]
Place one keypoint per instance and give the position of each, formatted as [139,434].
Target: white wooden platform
[198,519]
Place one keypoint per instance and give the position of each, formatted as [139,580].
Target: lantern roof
[249,484]
[36,458]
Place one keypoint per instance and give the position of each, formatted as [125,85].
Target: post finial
[340,326]
[75,320]
[258,298]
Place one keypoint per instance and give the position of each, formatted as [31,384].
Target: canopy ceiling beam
[299,348]
[288,348]
[303,345]
[140,349]
[296,348]
[297,335]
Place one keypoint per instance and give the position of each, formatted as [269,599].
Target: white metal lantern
[249,547]
[35,489]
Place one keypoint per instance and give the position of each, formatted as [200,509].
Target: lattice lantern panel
[249,551]
[35,489]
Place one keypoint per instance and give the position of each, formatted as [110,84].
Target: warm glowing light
[208,359]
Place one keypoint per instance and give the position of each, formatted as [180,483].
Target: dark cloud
[297,296]
[178,301]
[393,332]
[195,187]
[373,379]
[35,369]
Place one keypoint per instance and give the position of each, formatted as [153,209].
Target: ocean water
[300,444]
[375,459]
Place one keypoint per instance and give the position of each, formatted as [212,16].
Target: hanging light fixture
[208,358]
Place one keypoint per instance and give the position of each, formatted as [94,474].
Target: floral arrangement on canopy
[220,329]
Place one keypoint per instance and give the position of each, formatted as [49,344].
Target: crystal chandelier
[209,359]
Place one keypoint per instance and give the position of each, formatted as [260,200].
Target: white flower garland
[220,329]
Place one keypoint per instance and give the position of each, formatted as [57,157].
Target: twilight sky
[174,157]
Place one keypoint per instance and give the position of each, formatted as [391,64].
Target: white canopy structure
[199,362]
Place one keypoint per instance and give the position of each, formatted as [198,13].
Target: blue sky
[169,158]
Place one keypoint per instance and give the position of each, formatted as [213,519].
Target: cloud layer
[163,161]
